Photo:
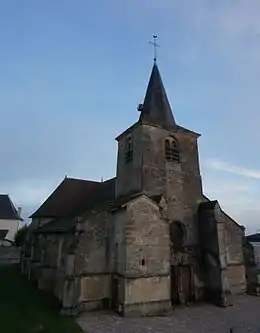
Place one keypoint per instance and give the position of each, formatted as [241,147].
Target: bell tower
[158,157]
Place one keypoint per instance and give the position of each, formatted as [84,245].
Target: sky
[73,72]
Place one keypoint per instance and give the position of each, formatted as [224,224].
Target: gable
[126,200]
[143,200]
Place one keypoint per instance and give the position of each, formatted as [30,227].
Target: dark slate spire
[156,108]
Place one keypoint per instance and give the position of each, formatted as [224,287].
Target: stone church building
[145,241]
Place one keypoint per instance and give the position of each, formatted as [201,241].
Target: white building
[10,220]
[255,241]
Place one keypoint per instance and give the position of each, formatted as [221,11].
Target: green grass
[24,309]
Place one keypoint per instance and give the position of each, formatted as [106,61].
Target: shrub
[20,236]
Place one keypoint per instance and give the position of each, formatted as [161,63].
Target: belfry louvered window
[172,152]
[129,150]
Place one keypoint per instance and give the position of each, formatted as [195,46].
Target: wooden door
[174,284]
[185,276]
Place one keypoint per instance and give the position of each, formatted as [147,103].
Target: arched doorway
[181,270]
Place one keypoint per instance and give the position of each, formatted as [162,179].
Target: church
[145,241]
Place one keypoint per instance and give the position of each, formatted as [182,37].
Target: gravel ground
[244,316]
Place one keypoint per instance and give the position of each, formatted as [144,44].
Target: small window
[129,150]
[172,153]
[143,262]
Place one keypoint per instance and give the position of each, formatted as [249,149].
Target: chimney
[19,210]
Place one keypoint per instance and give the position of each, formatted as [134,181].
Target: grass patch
[25,309]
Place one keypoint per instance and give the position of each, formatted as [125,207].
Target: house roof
[7,209]
[3,233]
[254,238]
[74,197]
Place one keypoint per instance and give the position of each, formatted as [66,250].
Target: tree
[20,236]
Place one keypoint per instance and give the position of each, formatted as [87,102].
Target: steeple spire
[156,108]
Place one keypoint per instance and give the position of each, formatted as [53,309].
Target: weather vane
[155,45]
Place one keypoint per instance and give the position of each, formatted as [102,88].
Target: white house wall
[12,226]
[256,246]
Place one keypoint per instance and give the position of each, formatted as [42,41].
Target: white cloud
[224,166]
[235,188]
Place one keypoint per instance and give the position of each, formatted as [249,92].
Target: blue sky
[73,72]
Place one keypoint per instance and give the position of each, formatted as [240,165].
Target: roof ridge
[83,180]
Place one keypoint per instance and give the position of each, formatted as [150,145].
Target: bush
[20,236]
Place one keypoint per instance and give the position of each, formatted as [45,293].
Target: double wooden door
[181,284]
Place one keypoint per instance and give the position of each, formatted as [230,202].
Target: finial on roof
[102,179]
[155,45]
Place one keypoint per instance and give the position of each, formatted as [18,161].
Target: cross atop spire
[155,45]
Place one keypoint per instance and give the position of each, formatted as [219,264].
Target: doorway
[181,284]
[115,285]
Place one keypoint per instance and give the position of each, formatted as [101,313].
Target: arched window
[172,152]
[129,150]
[177,234]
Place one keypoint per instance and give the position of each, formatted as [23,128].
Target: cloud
[235,187]
[237,198]
[238,170]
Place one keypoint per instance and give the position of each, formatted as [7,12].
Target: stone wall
[147,240]
[90,245]
[99,253]
[95,288]
[236,276]
[147,273]
[129,175]
[235,236]
[235,257]
[214,250]
[149,289]
[117,242]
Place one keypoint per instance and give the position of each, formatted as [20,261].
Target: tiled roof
[65,224]
[7,209]
[74,197]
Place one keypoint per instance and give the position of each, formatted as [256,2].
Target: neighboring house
[10,220]
[3,241]
[145,240]
[255,242]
